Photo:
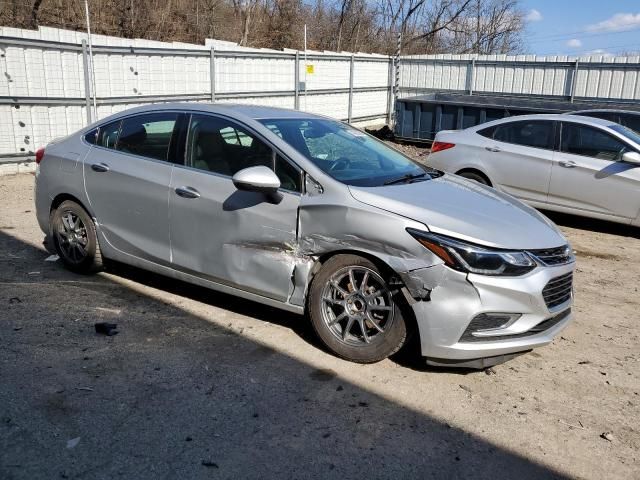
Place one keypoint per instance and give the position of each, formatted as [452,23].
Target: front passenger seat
[211,153]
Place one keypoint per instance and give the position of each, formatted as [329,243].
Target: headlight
[467,257]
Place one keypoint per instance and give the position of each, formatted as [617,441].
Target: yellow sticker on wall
[310,69]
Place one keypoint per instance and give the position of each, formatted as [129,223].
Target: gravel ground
[198,384]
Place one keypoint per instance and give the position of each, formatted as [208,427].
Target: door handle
[568,163]
[100,167]
[187,192]
[493,149]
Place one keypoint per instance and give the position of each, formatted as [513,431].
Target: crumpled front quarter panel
[331,224]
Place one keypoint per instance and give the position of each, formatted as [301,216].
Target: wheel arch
[377,261]
[390,273]
[62,197]
[477,171]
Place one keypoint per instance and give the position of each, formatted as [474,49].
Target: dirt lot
[199,384]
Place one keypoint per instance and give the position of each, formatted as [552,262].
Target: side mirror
[631,157]
[258,179]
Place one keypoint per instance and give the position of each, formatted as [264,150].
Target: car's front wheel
[354,311]
[74,237]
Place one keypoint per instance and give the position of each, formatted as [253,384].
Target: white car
[567,163]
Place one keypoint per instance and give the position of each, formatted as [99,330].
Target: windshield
[347,154]
[627,132]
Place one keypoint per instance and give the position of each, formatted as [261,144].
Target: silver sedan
[567,163]
[313,216]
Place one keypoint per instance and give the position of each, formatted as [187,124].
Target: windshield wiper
[405,178]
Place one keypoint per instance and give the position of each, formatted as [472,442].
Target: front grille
[539,328]
[558,290]
[554,256]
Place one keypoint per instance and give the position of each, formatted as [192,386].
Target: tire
[74,238]
[363,325]
[476,177]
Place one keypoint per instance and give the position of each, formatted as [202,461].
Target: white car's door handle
[187,192]
[492,149]
[100,167]
[568,163]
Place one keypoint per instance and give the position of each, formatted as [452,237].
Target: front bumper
[457,298]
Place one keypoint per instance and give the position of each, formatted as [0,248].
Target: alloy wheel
[357,306]
[71,234]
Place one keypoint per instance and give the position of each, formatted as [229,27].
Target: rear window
[535,133]
[487,132]
[92,136]
[148,135]
[108,135]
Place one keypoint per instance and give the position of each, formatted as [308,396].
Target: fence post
[396,63]
[351,65]
[470,75]
[390,91]
[574,80]
[212,73]
[296,80]
[87,81]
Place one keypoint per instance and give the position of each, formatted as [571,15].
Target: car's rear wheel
[475,176]
[74,237]
[354,311]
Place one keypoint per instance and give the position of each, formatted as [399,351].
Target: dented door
[233,237]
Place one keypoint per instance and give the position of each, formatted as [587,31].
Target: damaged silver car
[310,215]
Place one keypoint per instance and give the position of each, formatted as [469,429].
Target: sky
[582,27]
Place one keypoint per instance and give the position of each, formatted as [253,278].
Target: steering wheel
[342,162]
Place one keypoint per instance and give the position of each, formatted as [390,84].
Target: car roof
[604,110]
[548,116]
[256,112]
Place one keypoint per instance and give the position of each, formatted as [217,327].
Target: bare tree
[244,9]
[426,26]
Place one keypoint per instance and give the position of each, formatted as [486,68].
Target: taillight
[39,155]
[439,146]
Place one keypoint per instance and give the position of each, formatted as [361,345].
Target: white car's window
[148,135]
[590,142]
[347,154]
[535,133]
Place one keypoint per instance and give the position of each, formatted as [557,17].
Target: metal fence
[592,77]
[46,87]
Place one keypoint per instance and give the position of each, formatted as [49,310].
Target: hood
[463,209]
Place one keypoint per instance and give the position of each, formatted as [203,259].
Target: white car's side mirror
[631,157]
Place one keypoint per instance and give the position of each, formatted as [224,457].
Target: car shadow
[180,394]
[593,224]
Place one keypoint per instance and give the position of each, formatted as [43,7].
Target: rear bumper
[457,298]
[42,203]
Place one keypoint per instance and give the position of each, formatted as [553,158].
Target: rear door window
[535,133]
[148,135]
[108,135]
[590,142]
